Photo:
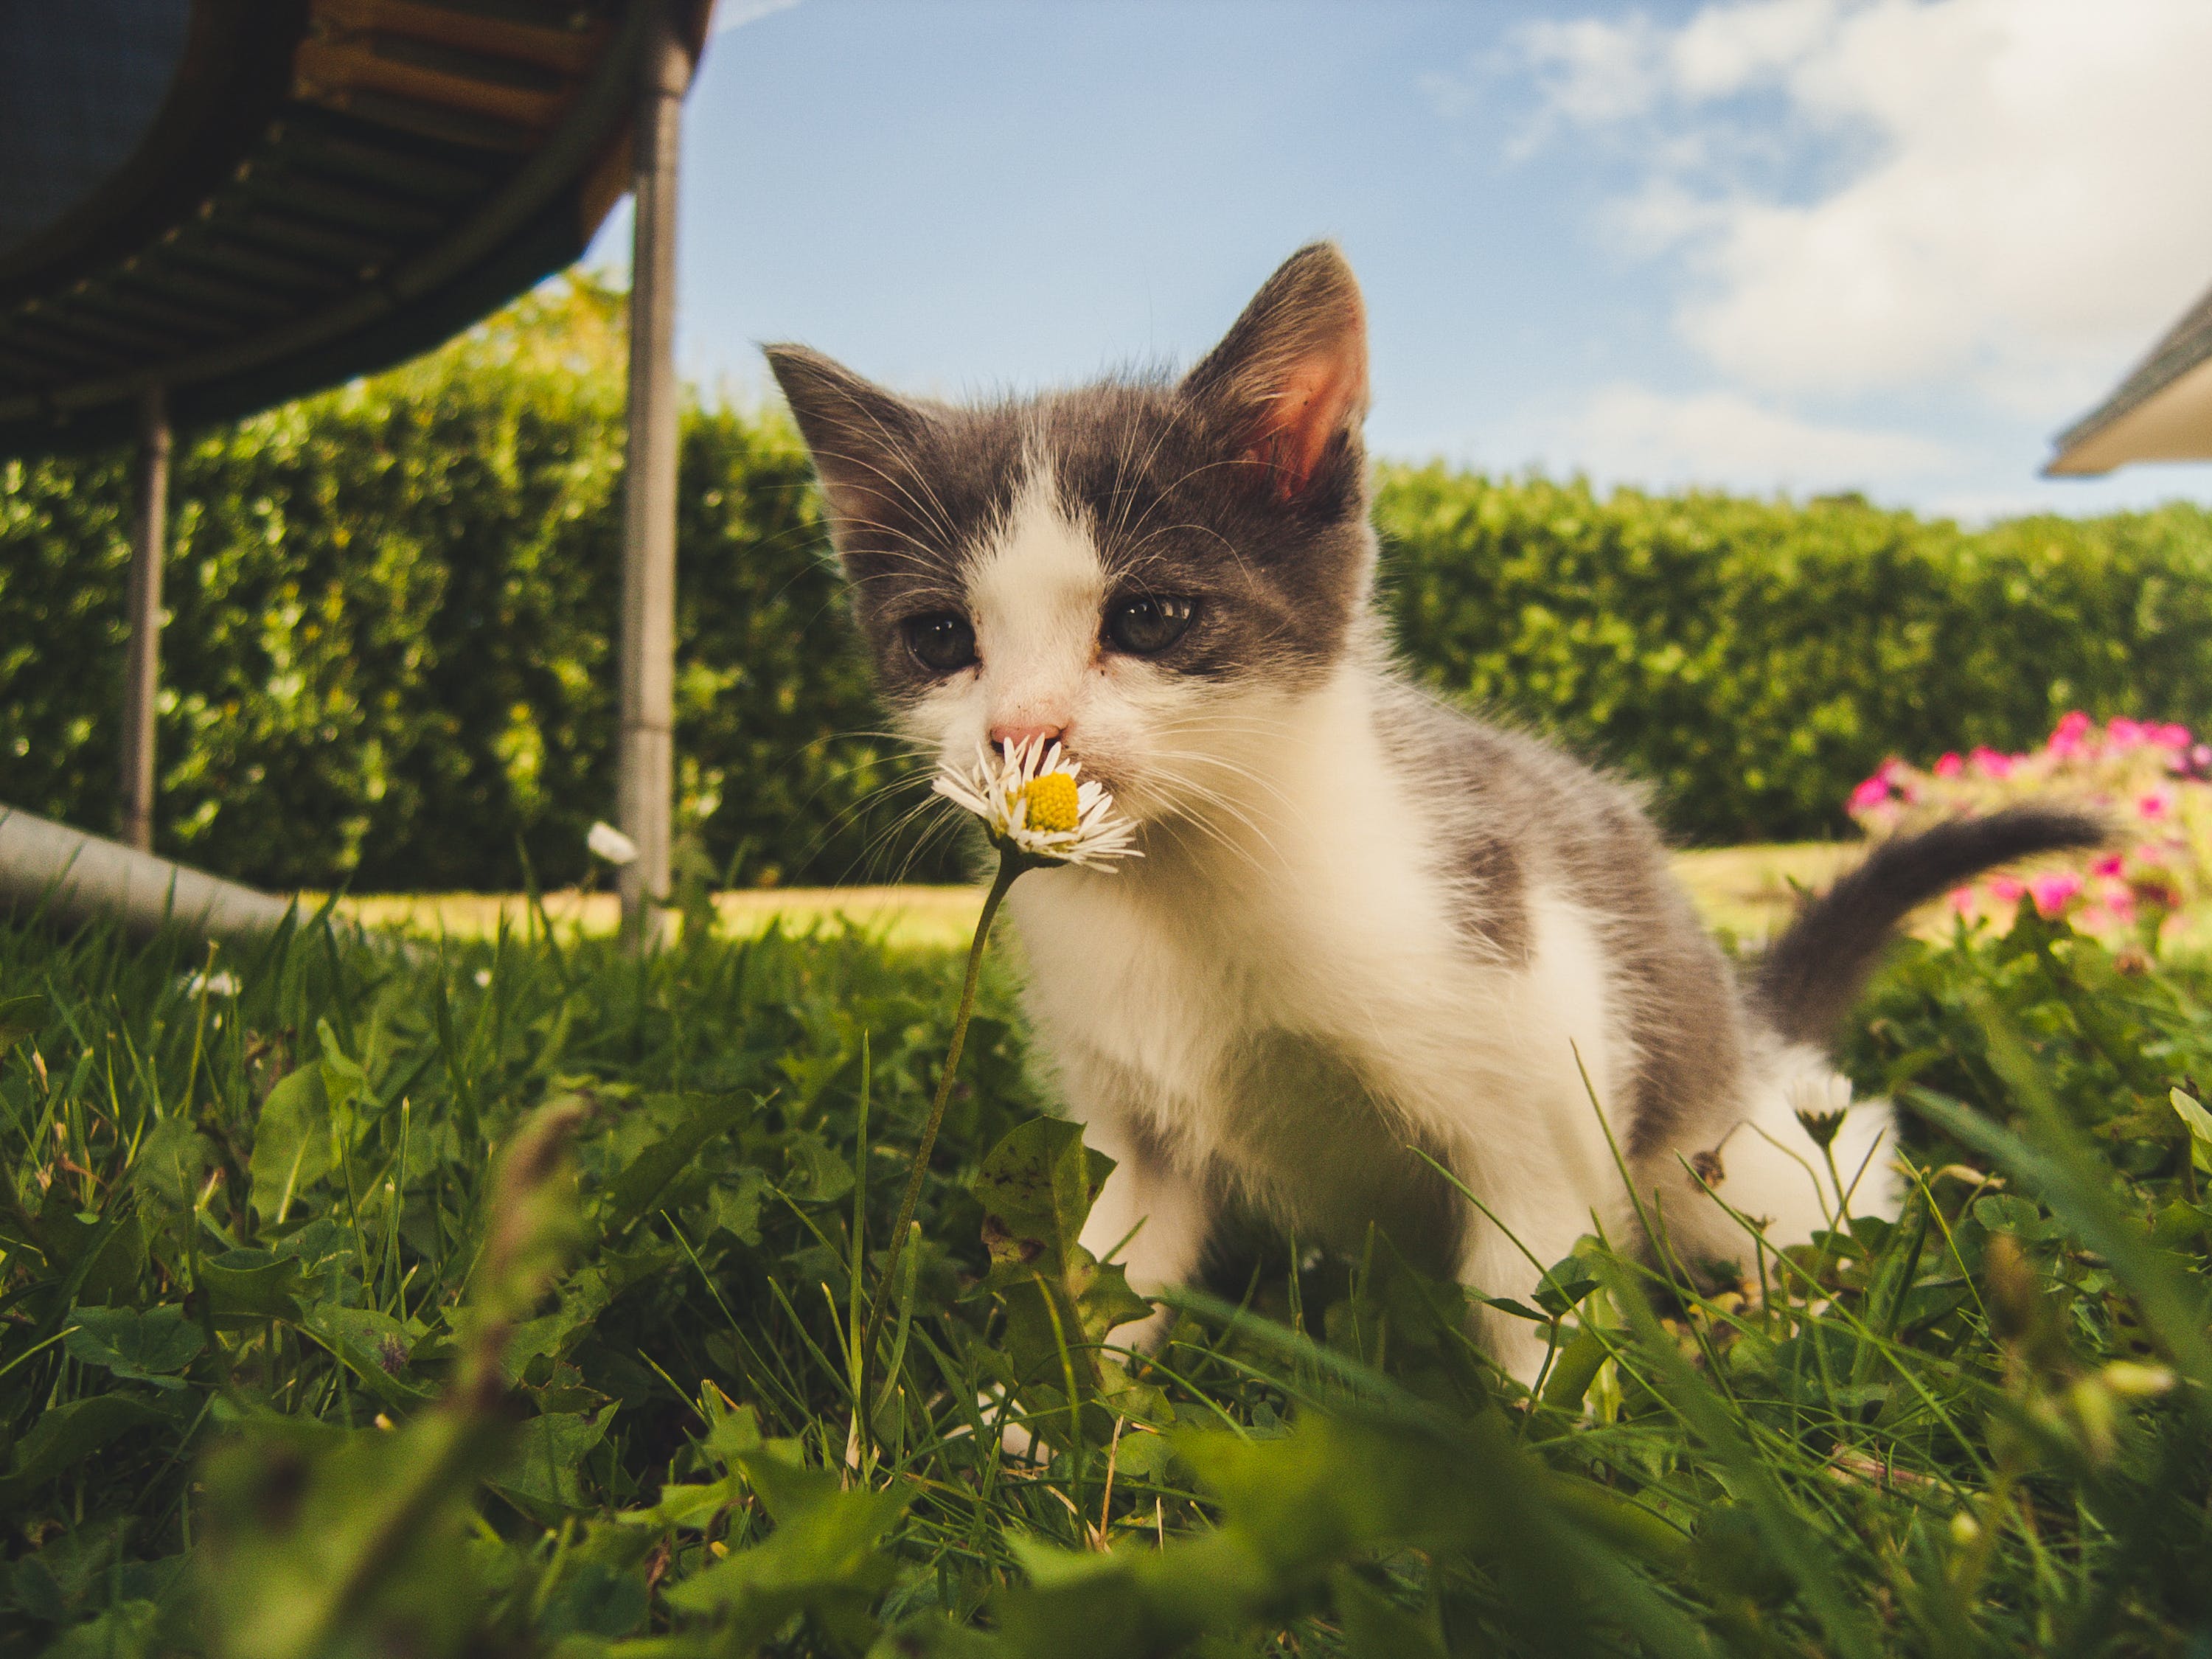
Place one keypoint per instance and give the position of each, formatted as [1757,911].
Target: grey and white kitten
[1365,926]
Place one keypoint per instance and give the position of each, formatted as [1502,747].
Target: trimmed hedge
[390,658]
[1753,661]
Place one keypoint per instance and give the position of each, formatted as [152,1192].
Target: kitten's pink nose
[1007,737]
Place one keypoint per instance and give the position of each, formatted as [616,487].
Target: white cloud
[1629,434]
[1724,49]
[2002,196]
[1592,70]
[736,13]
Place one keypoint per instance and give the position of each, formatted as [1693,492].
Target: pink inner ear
[1321,394]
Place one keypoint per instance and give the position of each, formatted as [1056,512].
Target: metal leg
[142,664]
[645,764]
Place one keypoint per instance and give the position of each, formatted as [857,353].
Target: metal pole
[143,667]
[645,764]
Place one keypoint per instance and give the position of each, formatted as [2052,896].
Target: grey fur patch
[1512,803]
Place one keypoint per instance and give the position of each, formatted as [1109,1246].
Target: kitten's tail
[1810,975]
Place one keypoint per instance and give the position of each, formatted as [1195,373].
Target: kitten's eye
[941,642]
[1146,624]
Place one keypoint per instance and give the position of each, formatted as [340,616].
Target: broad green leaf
[688,1506]
[171,1162]
[732,1434]
[2004,1213]
[596,1599]
[291,1142]
[583,1297]
[127,1630]
[735,1205]
[815,1173]
[1036,1188]
[2200,1128]
[148,1346]
[1564,1283]
[375,1346]
[251,1283]
[824,1558]
[344,1081]
[634,1192]
[549,1449]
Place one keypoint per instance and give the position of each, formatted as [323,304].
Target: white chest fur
[1280,1000]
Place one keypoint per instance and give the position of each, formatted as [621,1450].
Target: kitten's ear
[858,434]
[1290,380]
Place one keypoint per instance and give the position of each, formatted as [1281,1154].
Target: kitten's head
[1151,571]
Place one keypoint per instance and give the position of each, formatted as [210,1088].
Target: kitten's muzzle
[1012,737]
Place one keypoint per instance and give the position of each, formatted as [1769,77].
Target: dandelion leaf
[291,1142]
[251,1284]
[140,1346]
[824,1558]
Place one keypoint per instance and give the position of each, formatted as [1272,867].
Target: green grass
[314,1340]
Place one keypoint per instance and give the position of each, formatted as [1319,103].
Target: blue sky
[1781,245]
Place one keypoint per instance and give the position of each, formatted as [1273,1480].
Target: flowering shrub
[2154,782]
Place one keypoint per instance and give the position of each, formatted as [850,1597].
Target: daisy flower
[1033,807]
[610,843]
[1037,812]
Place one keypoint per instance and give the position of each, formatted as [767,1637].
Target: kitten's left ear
[1290,379]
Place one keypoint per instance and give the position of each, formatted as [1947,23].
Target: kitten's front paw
[1020,1443]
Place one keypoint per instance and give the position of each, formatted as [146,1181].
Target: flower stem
[1011,864]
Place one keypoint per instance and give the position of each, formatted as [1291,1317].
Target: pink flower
[1949,766]
[2054,892]
[2170,736]
[2110,864]
[1962,900]
[2071,737]
[2125,732]
[2155,804]
[1991,763]
[1875,790]
[2006,890]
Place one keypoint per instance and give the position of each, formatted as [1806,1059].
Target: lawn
[499,1299]
[1743,891]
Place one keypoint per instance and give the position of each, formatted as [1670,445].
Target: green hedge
[1753,661]
[390,662]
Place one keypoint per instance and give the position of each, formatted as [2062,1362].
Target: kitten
[1366,927]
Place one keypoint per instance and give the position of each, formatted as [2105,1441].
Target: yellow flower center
[1052,802]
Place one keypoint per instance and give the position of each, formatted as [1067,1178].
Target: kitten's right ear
[858,434]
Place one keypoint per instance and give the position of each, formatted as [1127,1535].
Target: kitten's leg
[1151,1217]
[1507,1258]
